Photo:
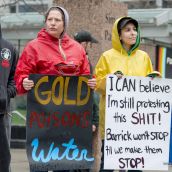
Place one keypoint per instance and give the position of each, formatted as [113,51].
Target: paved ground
[19,162]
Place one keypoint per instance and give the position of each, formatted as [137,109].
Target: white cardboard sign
[137,123]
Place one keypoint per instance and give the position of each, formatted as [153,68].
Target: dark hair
[84,36]
[124,21]
[52,9]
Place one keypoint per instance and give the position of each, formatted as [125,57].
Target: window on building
[25,8]
[12,9]
[33,8]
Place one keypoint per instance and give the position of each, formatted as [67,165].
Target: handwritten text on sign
[59,123]
[137,126]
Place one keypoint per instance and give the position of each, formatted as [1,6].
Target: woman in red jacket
[52,52]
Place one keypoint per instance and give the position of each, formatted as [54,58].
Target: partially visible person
[52,52]
[8,60]
[124,58]
[86,39]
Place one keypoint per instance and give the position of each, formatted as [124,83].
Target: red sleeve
[26,65]
[85,68]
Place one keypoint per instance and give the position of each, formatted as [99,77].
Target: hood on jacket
[66,17]
[116,43]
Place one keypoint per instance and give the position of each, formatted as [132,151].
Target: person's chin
[133,42]
[52,33]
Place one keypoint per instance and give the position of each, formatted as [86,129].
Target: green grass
[17,120]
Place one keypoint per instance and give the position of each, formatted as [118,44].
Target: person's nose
[53,22]
[133,32]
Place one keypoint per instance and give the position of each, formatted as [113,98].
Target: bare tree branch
[41,1]
[41,11]
[30,6]
[4,1]
[9,4]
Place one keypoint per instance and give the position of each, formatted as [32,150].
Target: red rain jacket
[49,55]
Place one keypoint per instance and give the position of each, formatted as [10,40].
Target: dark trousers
[102,160]
[53,171]
[85,170]
[5,156]
[130,171]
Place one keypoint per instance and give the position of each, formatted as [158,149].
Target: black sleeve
[11,88]
[95,109]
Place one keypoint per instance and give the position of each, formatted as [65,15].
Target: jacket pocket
[3,99]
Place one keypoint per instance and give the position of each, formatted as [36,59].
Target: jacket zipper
[61,50]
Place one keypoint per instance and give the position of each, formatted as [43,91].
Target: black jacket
[8,60]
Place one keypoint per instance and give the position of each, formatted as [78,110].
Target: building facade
[21,20]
